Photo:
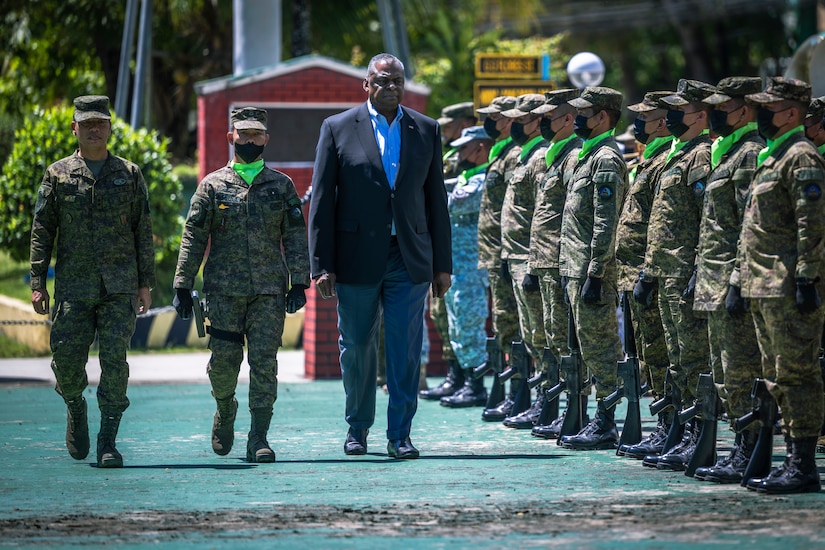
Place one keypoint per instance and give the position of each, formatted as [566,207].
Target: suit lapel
[366,134]
[409,139]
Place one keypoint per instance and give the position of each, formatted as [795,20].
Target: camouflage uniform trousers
[789,345]
[74,325]
[505,311]
[261,318]
[598,332]
[650,343]
[734,359]
[530,315]
[686,336]
[438,313]
[554,310]
[466,302]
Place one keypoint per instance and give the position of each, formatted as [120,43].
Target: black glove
[505,272]
[183,303]
[807,298]
[295,298]
[643,292]
[734,302]
[530,283]
[592,290]
[690,289]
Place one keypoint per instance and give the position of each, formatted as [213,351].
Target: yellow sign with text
[496,65]
[484,91]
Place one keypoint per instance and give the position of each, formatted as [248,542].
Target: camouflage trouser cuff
[219,334]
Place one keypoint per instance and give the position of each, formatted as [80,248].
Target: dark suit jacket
[352,206]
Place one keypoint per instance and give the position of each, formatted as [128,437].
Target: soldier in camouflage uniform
[587,255]
[504,157]
[94,208]
[631,242]
[453,119]
[815,123]
[246,213]
[516,221]
[780,261]
[670,257]
[734,353]
[556,128]
[466,299]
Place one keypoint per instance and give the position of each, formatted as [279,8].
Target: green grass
[10,349]
[13,277]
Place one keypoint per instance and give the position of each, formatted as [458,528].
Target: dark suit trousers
[359,312]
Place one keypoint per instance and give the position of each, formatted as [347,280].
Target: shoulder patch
[605,192]
[699,188]
[813,192]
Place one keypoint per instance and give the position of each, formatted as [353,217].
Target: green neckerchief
[497,147]
[555,148]
[465,176]
[589,144]
[722,145]
[774,144]
[652,148]
[821,149]
[449,153]
[249,171]
[527,148]
[678,145]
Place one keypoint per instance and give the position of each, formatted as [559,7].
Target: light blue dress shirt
[388,138]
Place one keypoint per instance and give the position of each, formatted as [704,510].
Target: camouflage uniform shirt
[246,223]
[102,227]
[499,173]
[725,197]
[520,200]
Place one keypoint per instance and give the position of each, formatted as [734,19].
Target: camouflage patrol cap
[90,107]
[525,104]
[780,89]
[687,92]
[598,97]
[734,86]
[555,98]
[650,102]
[249,118]
[458,110]
[499,104]
[816,107]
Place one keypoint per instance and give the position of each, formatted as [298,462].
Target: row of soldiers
[713,239]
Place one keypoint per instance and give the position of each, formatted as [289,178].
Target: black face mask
[674,122]
[580,127]
[546,130]
[490,128]
[249,152]
[464,165]
[517,133]
[639,130]
[719,123]
[764,120]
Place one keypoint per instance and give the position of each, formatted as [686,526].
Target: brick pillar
[320,337]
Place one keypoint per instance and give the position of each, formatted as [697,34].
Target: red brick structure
[298,94]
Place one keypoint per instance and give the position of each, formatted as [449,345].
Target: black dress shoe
[401,448]
[356,443]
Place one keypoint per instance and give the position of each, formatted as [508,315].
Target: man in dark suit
[379,235]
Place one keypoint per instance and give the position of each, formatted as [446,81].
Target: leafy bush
[46,137]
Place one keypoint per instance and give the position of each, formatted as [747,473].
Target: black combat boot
[600,433]
[677,458]
[799,473]
[551,430]
[729,469]
[223,425]
[527,419]
[77,428]
[650,445]
[257,448]
[472,393]
[107,455]
[450,385]
[502,410]
[675,433]
[752,483]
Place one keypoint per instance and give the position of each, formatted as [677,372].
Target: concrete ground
[477,484]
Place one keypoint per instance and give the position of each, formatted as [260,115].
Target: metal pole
[127,46]
[403,42]
[144,40]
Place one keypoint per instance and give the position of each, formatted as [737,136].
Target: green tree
[43,138]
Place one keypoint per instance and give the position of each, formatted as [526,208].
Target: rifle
[519,365]
[705,409]
[764,411]
[628,371]
[495,363]
[199,309]
[672,399]
[550,409]
[573,369]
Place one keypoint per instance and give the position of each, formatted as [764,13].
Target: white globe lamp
[585,69]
